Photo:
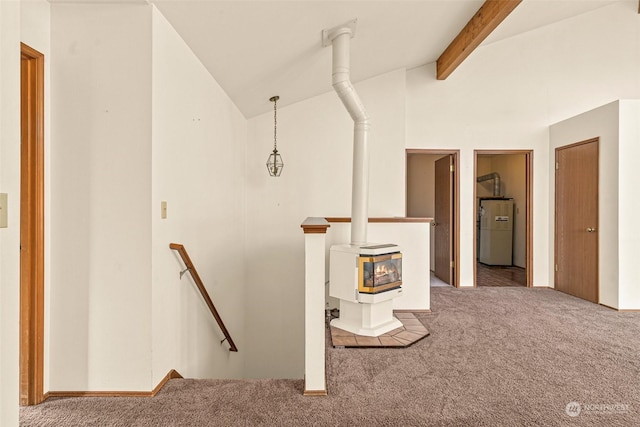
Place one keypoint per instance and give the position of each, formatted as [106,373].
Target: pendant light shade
[274,162]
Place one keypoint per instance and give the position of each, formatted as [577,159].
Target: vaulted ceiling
[257,49]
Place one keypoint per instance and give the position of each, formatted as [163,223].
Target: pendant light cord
[275,123]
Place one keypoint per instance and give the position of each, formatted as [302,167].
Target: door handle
[591,229]
[433,223]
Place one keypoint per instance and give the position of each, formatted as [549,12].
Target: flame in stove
[381,270]
[386,272]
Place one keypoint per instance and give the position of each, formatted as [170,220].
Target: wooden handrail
[196,278]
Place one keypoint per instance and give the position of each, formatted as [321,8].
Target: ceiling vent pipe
[340,38]
[495,176]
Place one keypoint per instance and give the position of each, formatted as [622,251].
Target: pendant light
[274,162]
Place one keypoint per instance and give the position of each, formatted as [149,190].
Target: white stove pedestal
[369,319]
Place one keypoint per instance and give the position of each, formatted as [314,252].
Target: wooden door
[443,219]
[576,239]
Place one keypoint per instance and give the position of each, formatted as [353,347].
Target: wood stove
[366,279]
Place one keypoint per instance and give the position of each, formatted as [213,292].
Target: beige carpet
[495,357]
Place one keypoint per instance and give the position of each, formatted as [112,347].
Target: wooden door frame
[455,200]
[555,214]
[528,213]
[31,226]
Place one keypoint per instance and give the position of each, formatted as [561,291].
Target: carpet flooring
[495,357]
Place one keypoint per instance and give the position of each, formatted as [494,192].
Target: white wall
[199,139]
[315,138]
[138,120]
[506,94]
[603,123]
[100,324]
[10,237]
[26,22]
[617,126]
[628,205]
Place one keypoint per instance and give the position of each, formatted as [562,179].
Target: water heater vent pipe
[495,176]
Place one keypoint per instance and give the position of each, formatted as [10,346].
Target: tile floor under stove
[411,331]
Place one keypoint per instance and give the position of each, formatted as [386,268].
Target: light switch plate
[3,210]
[163,210]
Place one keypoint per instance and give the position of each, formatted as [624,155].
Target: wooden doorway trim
[455,199]
[528,213]
[31,226]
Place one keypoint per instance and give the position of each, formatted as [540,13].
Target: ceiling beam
[486,19]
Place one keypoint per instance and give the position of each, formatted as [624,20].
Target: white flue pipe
[340,40]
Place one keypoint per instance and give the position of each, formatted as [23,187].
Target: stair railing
[203,291]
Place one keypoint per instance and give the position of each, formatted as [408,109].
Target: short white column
[315,230]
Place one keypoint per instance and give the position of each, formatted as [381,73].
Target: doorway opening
[31,226]
[432,186]
[503,208]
